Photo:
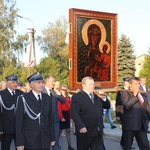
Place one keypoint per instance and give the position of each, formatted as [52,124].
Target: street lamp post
[32,45]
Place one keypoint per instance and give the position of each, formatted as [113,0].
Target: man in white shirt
[34,122]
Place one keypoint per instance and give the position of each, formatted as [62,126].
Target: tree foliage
[53,38]
[19,46]
[11,44]
[145,71]
[7,23]
[50,66]
[7,32]
[53,43]
[126,59]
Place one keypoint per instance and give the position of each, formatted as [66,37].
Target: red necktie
[140,98]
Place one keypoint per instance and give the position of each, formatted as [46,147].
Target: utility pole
[32,45]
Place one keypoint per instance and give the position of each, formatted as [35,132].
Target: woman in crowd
[64,112]
[2,85]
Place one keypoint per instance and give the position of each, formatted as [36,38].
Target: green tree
[50,66]
[11,45]
[145,71]
[126,59]
[7,23]
[53,39]
[53,43]
[19,46]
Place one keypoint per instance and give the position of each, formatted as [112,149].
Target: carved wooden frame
[75,17]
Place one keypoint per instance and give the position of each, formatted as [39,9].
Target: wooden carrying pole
[103,91]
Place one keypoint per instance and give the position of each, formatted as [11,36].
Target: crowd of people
[29,113]
[35,114]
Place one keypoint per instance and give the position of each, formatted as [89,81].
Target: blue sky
[133,16]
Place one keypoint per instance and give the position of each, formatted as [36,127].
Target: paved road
[113,144]
[110,143]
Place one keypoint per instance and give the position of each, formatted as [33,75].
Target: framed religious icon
[93,48]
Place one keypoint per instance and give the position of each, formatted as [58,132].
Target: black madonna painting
[92,48]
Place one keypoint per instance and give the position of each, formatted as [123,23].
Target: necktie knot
[13,94]
[39,98]
[92,97]
[50,92]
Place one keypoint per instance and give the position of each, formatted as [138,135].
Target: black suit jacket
[147,92]
[134,113]
[119,106]
[55,99]
[31,133]
[86,114]
[7,117]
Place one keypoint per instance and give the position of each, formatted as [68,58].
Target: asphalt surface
[111,139]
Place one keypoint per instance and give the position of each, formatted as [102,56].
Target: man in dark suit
[133,121]
[86,111]
[56,96]
[143,87]
[119,107]
[34,122]
[8,98]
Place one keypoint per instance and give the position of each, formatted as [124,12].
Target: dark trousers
[122,139]
[146,121]
[6,141]
[57,132]
[86,142]
[140,136]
